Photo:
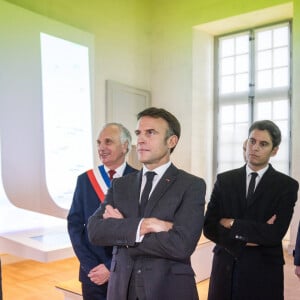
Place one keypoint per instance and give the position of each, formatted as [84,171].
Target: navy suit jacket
[0,281]
[164,257]
[297,249]
[85,202]
[276,194]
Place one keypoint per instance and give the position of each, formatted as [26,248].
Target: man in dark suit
[114,143]
[153,245]
[248,230]
[297,254]
[0,281]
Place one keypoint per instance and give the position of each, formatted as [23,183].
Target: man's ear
[125,147]
[172,141]
[274,151]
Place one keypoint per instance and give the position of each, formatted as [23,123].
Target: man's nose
[256,146]
[100,147]
[140,138]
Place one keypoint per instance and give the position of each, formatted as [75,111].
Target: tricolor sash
[99,181]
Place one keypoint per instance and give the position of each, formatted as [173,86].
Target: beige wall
[164,46]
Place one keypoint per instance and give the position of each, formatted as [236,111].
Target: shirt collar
[119,170]
[159,170]
[260,172]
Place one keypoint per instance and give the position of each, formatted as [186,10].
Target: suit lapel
[265,181]
[162,186]
[242,188]
[128,169]
[135,190]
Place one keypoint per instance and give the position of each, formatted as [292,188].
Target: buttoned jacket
[275,194]
[163,258]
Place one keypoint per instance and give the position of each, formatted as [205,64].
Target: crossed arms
[148,225]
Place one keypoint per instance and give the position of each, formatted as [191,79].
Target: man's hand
[154,225]
[226,222]
[297,271]
[111,212]
[99,275]
[271,220]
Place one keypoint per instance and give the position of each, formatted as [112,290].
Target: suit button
[139,271]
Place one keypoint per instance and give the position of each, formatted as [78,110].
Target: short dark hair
[173,123]
[271,127]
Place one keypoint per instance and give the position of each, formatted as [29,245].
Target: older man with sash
[113,143]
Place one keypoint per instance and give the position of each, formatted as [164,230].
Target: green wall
[149,44]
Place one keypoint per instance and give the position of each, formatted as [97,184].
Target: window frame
[251,91]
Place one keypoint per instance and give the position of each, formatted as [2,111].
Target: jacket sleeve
[250,224]
[262,233]
[77,232]
[212,229]
[297,249]
[111,232]
[180,242]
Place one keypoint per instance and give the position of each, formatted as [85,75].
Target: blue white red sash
[100,181]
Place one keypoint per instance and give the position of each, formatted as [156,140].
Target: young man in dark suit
[0,281]
[297,254]
[153,241]
[113,143]
[248,222]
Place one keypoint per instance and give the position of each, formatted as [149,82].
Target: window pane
[281,109]
[281,36]
[284,127]
[281,77]
[224,166]
[227,84]
[227,47]
[242,44]
[66,115]
[242,63]
[264,79]
[242,113]
[242,83]
[275,57]
[264,110]
[234,60]
[227,66]
[281,57]
[226,114]
[264,60]
[264,40]
[226,134]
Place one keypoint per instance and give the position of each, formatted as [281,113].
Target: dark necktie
[146,191]
[111,174]
[251,187]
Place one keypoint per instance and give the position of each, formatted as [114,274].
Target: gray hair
[125,135]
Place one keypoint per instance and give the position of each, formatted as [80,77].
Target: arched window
[66,115]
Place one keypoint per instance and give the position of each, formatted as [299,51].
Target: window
[66,115]
[253,80]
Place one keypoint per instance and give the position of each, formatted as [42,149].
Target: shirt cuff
[138,237]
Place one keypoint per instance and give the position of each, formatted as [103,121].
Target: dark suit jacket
[256,270]
[0,281]
[85,202]
[297,249]
[164,258]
